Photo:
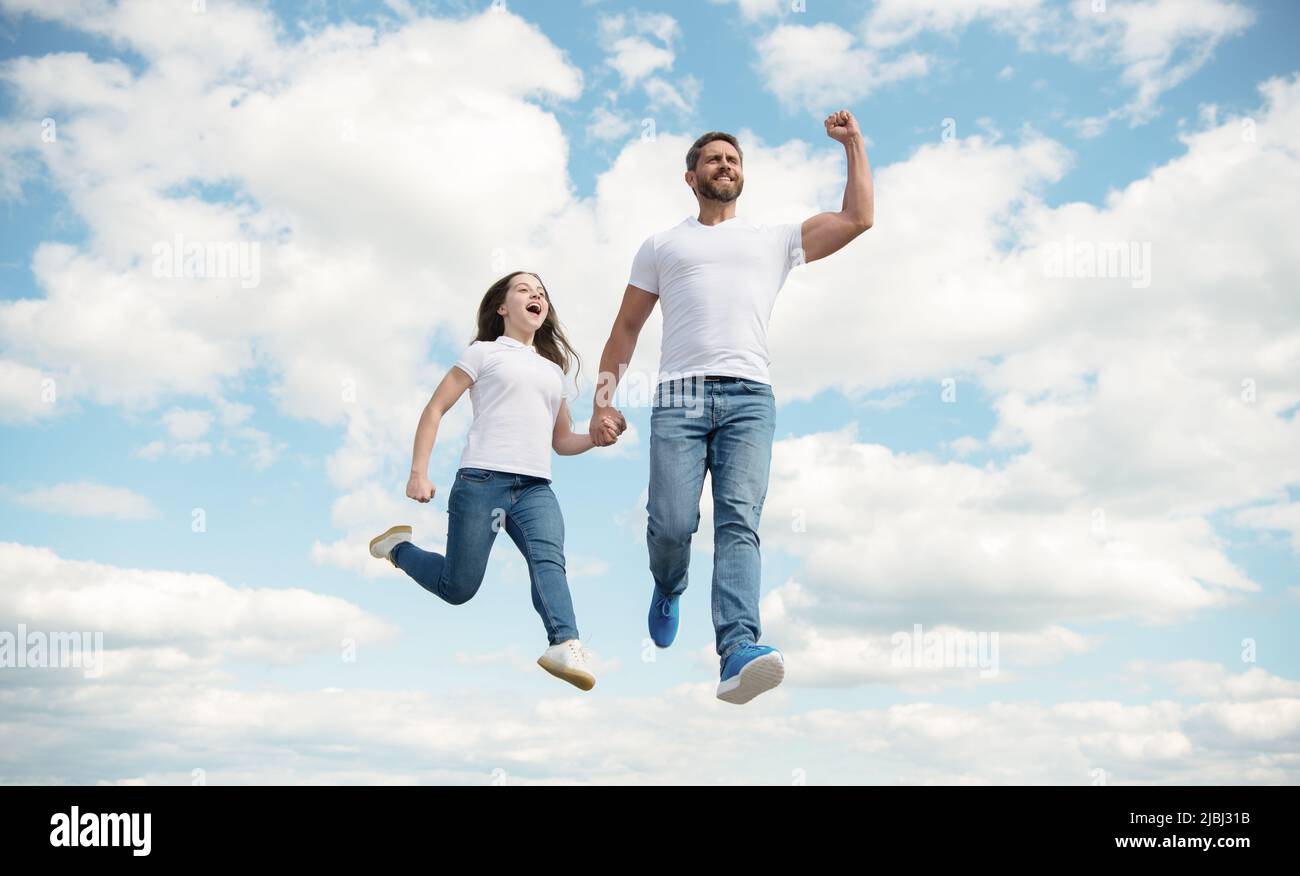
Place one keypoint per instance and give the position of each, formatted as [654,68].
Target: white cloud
[635,58]
[1282,516]
[187,425]
[893,22]
[683,735]
[352,106]
[1155,44]
[640,47]
[627,41]
[680,98]
[608,125]
[822,67]
[980,548]
[368,510]
[1212,681]
[920,659]
[257,447]
[26,394]
[1158,44]
[160,611]
[88,499]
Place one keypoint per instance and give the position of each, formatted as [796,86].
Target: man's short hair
[693,154]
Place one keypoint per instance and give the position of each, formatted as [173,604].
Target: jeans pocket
[755,388]
[474,475]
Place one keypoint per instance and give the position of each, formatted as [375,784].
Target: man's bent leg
[679,430]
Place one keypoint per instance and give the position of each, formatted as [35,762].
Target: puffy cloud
[626,41]
[894,22]
[1155,45]
[164,612]
[187,425]
[822,66]
[683,735]
[87,499]
[890,539]
[1213,681]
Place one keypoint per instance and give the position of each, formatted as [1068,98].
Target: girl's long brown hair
[549,339]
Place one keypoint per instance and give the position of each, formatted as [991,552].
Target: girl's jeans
[481,503]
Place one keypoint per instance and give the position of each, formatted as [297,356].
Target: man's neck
[713,212]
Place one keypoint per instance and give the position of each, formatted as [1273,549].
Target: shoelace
[581,654]
[741,652]
[665,606]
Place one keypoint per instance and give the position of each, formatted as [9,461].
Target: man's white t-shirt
[717,285]
[516,396]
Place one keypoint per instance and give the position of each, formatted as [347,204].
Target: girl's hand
[420,488]
[610,431]
[606,425]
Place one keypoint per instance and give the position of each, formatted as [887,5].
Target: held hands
[841,126]
[606,426]
[420,488]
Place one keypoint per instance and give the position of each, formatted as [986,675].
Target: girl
[514,372]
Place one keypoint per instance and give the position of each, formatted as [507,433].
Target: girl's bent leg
[536,526]
[471,528]
[426,567]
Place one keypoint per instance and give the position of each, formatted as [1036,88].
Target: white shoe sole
[576,677]
[758,675]
[377,548]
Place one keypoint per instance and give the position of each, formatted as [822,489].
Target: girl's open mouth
[535,308]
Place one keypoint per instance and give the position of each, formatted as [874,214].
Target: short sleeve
[472,359]
[791,236]
[645,269]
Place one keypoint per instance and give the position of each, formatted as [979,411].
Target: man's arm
[828,233]
[632,314]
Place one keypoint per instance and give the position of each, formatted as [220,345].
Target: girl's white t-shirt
[516,395]
[717,285]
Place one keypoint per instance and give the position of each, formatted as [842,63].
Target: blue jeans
[481,501]
[725,428]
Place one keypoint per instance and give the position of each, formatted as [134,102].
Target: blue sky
[1103,493]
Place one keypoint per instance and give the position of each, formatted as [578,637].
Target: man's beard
[713,193]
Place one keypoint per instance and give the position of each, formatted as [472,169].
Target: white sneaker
[568,660]
[382,545]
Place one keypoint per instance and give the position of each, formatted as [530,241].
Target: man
[717,277]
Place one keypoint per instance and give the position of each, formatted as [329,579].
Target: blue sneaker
[750,670]
[663,619]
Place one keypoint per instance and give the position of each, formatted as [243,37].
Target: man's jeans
[726,428]
[480,503]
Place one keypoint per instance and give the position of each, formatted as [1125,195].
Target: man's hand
[606,425]
[841,126]
[420,488]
